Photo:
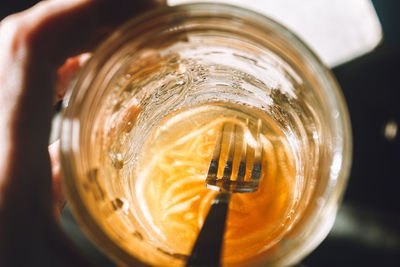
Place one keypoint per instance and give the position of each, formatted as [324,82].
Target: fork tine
[212,175]
[242,164]
[228,140]
[214,164]
[256,171]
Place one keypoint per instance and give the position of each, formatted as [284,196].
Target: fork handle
[208,246]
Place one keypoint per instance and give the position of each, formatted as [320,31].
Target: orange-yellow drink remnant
[171,191]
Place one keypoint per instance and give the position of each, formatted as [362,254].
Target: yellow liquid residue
[171,193]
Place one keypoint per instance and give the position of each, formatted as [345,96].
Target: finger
[58,196]
[33,44]
[67,72]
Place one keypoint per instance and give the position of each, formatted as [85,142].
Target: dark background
[367,229]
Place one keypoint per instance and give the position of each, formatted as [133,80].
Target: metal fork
[246,160]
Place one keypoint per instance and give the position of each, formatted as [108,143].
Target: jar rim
[70,130]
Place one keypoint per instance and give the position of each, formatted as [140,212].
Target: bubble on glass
[120,204]
[138,235]
[117,160]
[181,68]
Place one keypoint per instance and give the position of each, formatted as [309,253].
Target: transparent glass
[190,56]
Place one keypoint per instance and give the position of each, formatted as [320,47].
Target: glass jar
[187,56]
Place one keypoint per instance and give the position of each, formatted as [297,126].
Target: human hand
[33,45]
